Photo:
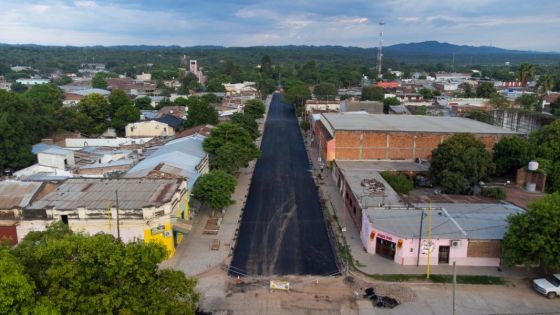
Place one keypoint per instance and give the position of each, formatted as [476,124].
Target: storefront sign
[385,237]
[427,247]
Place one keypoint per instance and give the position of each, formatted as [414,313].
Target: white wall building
[149,128]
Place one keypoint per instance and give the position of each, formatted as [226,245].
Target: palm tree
[526,73]
[546,83]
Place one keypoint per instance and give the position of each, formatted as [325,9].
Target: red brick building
[347,136]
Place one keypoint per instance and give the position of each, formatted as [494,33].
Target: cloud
[85,4]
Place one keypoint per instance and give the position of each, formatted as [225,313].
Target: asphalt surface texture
[283,231]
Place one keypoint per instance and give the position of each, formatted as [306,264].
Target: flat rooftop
[381,165]
[356,173]
[410,123]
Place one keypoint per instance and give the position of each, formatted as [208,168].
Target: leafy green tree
[248,123]
[96,107]
[124,115]
[372,93]
[63,80]
[254,108]
[266,65]
[118,99]
[525,73]
[499,101]
[545,84]
[511,154]
[388,102]
[421,110]
[144,103]
[78,274]
[325,90]
[305,125]
[17,121]
[528,102]
[214,189]
[71,119]
[296,92]
[17,87]
[200,112]
[460,157]
[190,82]
[44,99]
[17,291]
[485,90]
[467,91]
[98,81]
[532,236]
[240,147]
[480,115]
[181,101]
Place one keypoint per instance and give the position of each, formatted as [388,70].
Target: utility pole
[118,217]
[429,238]
[420,238]
[454,284]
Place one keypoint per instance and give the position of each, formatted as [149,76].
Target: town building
[315,105]
[74,97]
[465,234]
[132,87]
[14,196]
[149,128]
[5,85]
[370,107]
[31,82]
[348,136]
[194,69]
[452,77]
[150,210]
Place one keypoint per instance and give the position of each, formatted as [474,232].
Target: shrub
[498,193]
[400,183]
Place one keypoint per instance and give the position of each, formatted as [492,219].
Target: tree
[325,91]
[77,274]
[248,123]
[181,101]
[459,160]
[200,112]
[480,115]
[532,236]
[426,93]
[305,125]
[98,109]
[71,119]
[372,93]
[98,81]
[215,85]
[63,80]
[499,101]
[17,87]
[240,148]
[467,91]
[17,291]
[144,103]
[388,102]
[214,189]
[529,102]
[44,99]
[525,73]
[266,65]
[118,99]
[510,154]
[545,84]
[124,115]
[545,143]
[190,82]
[485,90]
[296,92]
[254,108]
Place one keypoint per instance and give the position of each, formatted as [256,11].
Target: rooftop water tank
[533,166]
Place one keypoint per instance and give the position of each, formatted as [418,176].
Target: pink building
[468,234]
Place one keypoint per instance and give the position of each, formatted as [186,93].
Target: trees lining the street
[215,188]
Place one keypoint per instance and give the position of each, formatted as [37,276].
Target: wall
[149,129]
[379,145]
[55,160]
[524,176]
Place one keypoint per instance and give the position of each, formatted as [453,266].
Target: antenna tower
[380,50]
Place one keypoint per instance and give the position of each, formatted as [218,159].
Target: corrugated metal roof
[14,194]
[410,123]
[95,193]
[56,151]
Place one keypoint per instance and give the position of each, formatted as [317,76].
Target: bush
[305,125]
[498,193]
[400,183]
[453,183]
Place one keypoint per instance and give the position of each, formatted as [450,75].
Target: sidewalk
[194,256]
[374,264]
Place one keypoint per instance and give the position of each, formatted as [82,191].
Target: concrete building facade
[150,128]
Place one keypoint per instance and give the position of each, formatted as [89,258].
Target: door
[385,248]
[443,257]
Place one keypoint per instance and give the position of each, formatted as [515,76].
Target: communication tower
[380,50]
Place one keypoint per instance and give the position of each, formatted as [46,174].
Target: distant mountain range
[429,52]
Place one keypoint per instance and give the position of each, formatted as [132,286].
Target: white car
[549,286]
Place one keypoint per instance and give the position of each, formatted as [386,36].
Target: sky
[513,24]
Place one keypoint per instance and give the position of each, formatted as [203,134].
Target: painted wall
[149,128]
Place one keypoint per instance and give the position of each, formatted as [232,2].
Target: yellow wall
[160,238]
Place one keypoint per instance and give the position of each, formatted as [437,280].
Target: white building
[33,81]
[59,158]
[149,128]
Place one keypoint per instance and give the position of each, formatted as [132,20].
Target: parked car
[549,286]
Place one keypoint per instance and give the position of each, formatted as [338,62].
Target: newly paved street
[283,230]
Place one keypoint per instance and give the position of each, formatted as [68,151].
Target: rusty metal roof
[16,194]
[97,193]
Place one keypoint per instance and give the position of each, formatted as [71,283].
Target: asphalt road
[283,231]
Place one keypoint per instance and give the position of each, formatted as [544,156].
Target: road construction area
[283,231]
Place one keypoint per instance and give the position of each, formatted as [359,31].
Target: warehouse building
[351,136]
